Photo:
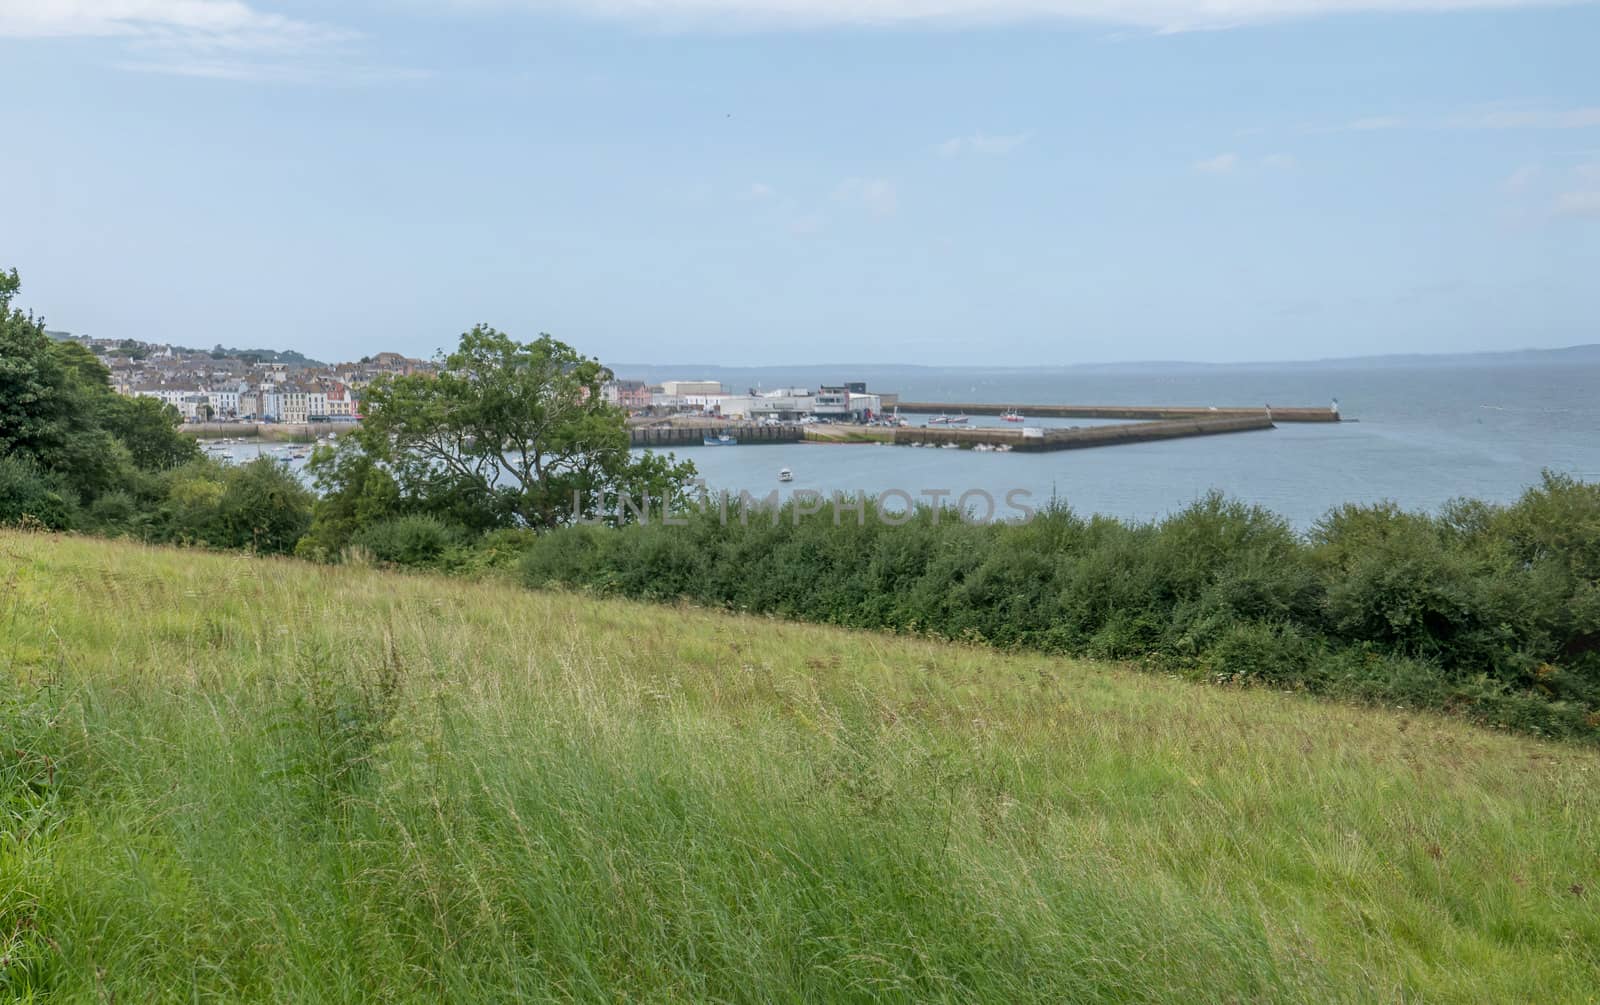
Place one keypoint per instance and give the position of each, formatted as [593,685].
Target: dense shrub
[409,540]
[29,496]
[259,506]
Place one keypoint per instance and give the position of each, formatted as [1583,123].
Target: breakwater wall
[1091,436]
[1146,412]
[291,432]
[747,433]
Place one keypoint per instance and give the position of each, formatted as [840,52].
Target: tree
[149,429]
[511,433]
[59,413]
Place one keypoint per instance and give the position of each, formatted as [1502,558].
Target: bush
[415,541]
[263,507]
[29,496]
[571,556]
[1254,652]
[114,513]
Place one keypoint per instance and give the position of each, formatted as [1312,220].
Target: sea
[1418,433]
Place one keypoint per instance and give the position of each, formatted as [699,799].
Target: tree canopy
[61,419]
[507,434]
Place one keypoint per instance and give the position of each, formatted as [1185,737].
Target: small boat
[940,420]
[1011,415]
[720,440]
[785,475]
[958,420]
[951,446]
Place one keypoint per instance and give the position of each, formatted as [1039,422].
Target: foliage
[30,497]
[260,506]
[508,434]
[409,540]
[59,413]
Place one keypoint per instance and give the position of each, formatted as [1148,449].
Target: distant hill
[816,373]
[287,356]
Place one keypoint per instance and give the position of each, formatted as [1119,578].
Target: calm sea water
[1424,434]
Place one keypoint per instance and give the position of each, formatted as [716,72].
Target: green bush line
[1492,612]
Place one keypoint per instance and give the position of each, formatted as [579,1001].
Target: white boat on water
[785,475]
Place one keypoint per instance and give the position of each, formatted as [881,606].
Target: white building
[684,388]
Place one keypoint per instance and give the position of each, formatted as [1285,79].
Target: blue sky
[785,181]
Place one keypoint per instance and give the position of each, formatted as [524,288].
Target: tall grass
[228,779]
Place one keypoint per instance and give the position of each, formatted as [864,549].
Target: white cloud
[214,39]
[982,143]
[1279,162]
[1522,177]
[1372,123]
[875,195]
[1501,115]
[1220,164]
[757,192]
[1160,15]
[1523,116]
[1584,199]
[202,24]
[806,226]
[1580,203]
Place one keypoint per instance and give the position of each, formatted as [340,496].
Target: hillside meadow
[228,778]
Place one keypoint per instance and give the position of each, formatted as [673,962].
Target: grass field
[233,779]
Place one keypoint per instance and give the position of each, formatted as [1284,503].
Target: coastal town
[220,385]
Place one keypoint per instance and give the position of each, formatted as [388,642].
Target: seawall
[1091,436]
[747,433]
[1147,412]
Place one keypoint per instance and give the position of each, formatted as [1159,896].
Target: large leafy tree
[32,382]
[510,433]
[59,414]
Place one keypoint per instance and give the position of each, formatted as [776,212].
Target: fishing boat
[939,420]
[720,440]
[1011,415]
[785,475]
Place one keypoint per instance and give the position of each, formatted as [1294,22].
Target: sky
[767,182]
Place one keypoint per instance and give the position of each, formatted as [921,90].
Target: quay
[286,432]
[1147,412]
[1088,436]
[694,435]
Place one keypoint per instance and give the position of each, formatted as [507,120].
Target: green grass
[228,779]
